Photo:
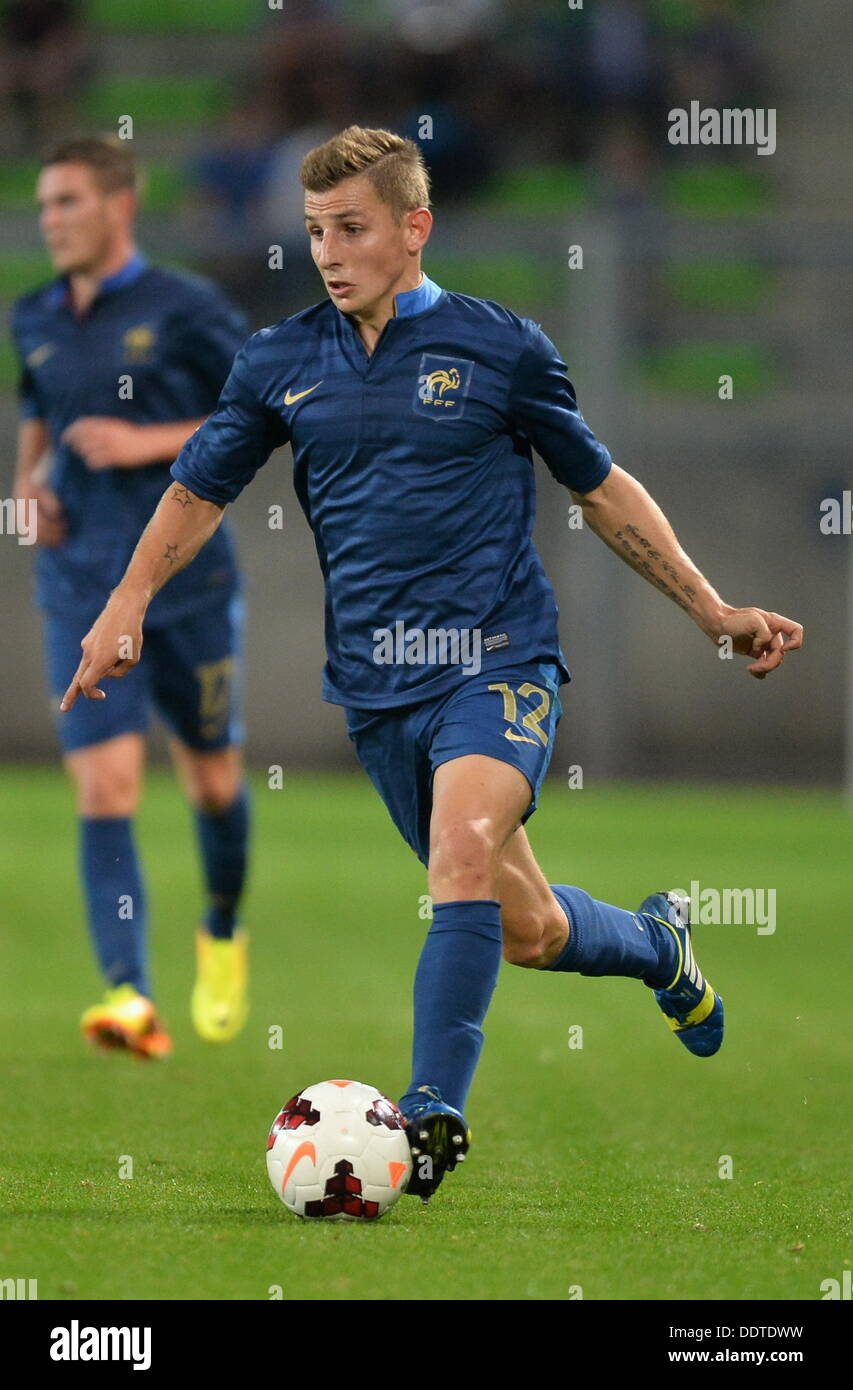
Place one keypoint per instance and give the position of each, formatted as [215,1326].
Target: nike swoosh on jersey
[289,400]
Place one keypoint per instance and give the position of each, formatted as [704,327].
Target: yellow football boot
[220,1004]
[126,1019]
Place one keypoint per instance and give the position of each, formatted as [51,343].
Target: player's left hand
[103,441]
[766,637]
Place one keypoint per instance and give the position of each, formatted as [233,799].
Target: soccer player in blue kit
[412,412]
[121,361]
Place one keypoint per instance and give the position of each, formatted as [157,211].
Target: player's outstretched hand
[111,647]
[766,637]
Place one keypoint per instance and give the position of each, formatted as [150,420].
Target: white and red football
[338,1151]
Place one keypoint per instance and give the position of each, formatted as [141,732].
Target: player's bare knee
[107,776]
[214,799]
[212,781]
[463,860]
[101,794]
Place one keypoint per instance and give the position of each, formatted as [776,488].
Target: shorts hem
[490,753]
[74,744]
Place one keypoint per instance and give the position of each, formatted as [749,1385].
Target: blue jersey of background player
[121,361]
[412,412]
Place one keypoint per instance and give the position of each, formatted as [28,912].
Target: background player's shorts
[189,673]
[509,713]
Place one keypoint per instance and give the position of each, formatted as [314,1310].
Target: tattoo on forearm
[682,594]
[171,553]
[181,494]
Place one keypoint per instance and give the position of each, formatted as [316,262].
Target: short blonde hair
[109,158]
[393,164]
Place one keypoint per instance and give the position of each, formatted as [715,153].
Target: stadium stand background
[548,131]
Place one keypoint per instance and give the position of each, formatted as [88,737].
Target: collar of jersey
[411,302]
[130,271]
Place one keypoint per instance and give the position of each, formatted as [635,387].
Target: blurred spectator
[231,175]
[307,68]
[440,26]
[625,70]
[482,85]
[540,82]
[42,60]
[437,101]
[310,76]
[459,156]
[283,223]
[712,61]
[625,97]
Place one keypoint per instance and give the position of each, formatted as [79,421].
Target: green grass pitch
[593,1168]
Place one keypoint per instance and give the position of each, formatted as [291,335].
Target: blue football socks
[223,839]
[454,983]
[607,940]
[115,899]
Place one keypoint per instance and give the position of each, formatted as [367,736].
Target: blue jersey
[154,347]
[413,466]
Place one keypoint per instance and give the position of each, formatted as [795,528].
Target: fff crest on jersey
[138,342]
[40,354]
[442,385]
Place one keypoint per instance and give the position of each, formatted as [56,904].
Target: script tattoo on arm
[670,581]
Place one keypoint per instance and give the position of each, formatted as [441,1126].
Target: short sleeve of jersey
[29,405]
[207,336]
[542,404]
[225,453]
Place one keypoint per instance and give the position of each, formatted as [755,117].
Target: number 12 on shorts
[533,719]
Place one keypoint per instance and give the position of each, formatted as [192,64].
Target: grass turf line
[595,1167]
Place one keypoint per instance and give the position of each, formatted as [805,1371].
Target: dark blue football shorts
[189,672]
[510,713]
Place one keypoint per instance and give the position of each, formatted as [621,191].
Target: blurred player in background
[121,361]
[413,412]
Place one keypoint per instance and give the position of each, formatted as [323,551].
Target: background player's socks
[454,983]
[115,899]
[607,940]
[224,839]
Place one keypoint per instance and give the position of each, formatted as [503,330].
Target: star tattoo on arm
[182,494]
[171,553]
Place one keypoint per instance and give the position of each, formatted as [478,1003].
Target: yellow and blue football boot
[438,1138]
[694,1011]
[220,1004]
